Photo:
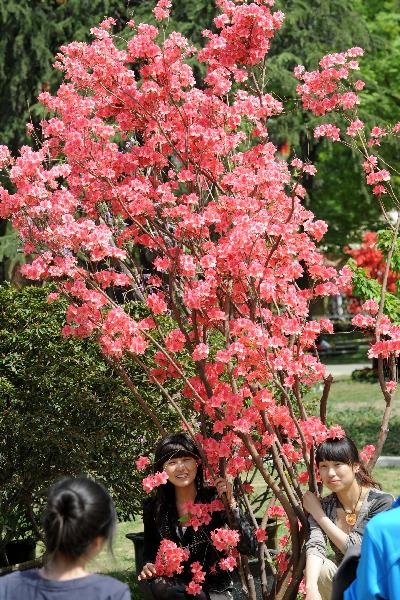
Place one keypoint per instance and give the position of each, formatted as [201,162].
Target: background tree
[311,30]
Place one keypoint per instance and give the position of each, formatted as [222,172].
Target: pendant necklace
[351,516]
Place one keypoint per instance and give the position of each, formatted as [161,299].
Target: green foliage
[366,288]
[362,426]
[311,29]
[10,251]
[32,33]
[385,241]
[63,412]
[34,30]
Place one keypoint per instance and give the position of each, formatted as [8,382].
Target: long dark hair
[345,451]
[175,445]
[78,511]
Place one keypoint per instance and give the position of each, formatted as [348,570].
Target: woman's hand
[312,505]
[313,593]
[225,487]
[148,572]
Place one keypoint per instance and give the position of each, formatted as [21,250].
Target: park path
[347,369]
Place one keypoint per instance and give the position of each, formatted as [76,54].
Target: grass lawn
[121,563]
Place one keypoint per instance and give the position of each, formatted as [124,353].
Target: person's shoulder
[113,587]
[9,579]
[18,577]
[149,503]
[375,494]
[379,501]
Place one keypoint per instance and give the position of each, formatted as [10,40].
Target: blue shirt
[30,585]
[378,572]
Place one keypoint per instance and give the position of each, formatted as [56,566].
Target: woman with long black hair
[341,516]
[164,518]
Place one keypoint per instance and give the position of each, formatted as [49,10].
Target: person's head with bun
[79,518]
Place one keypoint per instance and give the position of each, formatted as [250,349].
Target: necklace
[351,516]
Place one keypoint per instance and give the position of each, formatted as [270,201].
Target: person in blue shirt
[79,519]
[378,572]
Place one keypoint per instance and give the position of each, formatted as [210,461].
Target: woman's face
[181,471]
[337,476]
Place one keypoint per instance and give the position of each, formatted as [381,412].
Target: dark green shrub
[363,425]
[63,411]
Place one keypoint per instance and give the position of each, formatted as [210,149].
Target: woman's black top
[164,524]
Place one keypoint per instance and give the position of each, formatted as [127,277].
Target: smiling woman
[342,515]
[185,539]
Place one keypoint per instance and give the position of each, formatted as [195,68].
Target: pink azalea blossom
[142,462]
[261,535]
[152,481]
[370,306]
[169,558]
[391,386]
[225,539]
[200,352]
[367,452]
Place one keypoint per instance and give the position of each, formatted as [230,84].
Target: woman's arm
[151,540]
[248,542]
[313,506]
[312,572]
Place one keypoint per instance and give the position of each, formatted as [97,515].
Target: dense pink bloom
[261,535]
[200,352]
[5,156]
[335,431]
[156,303]
[161,10]
[142,462]
[200,513]
[276,511]
[367,452]
[193,588]
[377,176]
[225,539]
[152,481]
[391,386]
[304,477]
[370,306]
[228,563]
[175,341]
[354,127]
[327,130]
[169,558]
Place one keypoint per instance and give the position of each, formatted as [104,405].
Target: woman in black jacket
[164,518]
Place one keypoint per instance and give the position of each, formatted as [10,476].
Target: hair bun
[68,504]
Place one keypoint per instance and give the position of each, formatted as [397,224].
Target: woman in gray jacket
[341,516]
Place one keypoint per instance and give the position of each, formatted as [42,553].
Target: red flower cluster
[169,558]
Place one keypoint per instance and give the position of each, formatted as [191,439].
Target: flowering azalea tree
[136,160]
[333,89]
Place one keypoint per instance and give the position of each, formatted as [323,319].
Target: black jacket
[165,525]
